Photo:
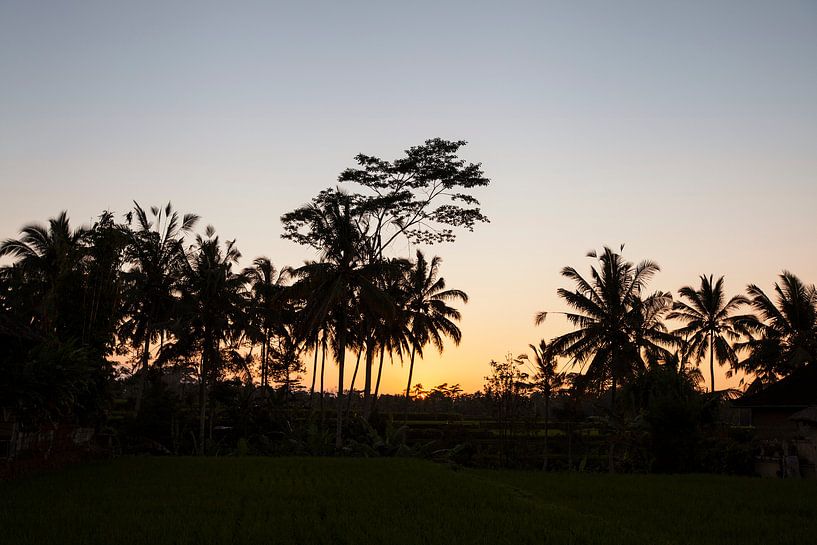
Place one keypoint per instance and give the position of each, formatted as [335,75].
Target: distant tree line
[92,317]
[621,328]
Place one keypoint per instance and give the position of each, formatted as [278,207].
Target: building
[784,416]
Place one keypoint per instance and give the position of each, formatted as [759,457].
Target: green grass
[369,501]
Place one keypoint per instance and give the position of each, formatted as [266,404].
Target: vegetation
[709,323]
[297,500]
[74,299]
[784,339]
[147,331]
[616,327]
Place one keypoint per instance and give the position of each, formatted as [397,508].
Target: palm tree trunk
[712,361]
[367,380]
[265,373]
[143,371]
[408,386]
[314,371]
[377,384]
[286,384]
[263,360]
[610,456]
[202,402]
[547,422]
[323,368]
[613,394]
[341,362]
[352,386]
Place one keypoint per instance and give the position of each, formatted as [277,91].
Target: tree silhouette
[49,257]
[428,313]
[650,334]
[608,316]
[157,256]
[710,323]
[547,381]
[785,337]
[422,196]
[211,312]
[268,305]
[342,283]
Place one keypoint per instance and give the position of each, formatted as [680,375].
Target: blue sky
[687,130]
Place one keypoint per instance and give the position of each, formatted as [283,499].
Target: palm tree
[785,337]
[157,257]
[429,317]
[49,258]
[650,334]
[547,380]
[211,312]
[101,307]
[340,286]
[608,316]
[392,335]
[267,286]
[710,324]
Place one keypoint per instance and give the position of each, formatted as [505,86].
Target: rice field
[387,500]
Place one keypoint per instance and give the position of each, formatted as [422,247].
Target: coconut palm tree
[156,254]
[392,335]
[49,258]
[607,317]
[710,323]
[341,285]
[267,286]
[427,313]
[650,334]
[785,337]
[547,380]
[101,309]
[211,309]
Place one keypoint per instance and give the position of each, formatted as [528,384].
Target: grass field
[367,501]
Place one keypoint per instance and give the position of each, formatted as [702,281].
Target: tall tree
[607,316]
[429,316]
[342,284]
[710,323]
[210,315]
[49,260]
[156,254]
[785,338]
[650,334]
[52,369]
[422,196]
[547,380]
[267,307]
[101,307]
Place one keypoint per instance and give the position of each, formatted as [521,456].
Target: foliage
[786,337]
[710,323]
[616,327]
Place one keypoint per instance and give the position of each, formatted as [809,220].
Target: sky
[686,130]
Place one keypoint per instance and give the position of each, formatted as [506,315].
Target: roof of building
[796,390]
[809,414]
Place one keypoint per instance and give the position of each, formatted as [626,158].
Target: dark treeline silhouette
[128,318]
[623,340]
[146,330]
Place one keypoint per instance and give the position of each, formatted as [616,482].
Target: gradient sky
[687,130]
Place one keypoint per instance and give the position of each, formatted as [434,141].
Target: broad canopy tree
[419,198]
[422,197]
